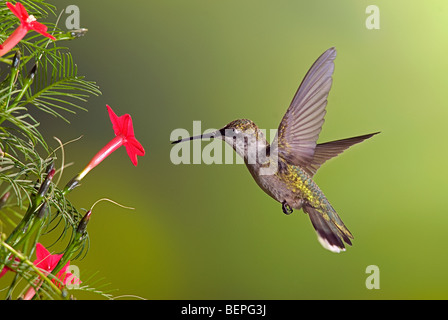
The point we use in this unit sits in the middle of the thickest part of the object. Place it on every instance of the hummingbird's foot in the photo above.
(286, 208)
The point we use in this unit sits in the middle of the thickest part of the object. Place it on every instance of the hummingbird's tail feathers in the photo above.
(328, 150)
(331, 231)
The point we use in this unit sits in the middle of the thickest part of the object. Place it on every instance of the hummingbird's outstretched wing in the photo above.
(300, 127)
(331, 231)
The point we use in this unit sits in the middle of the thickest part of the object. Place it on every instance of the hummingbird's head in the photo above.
(243, 135)
(241, 126)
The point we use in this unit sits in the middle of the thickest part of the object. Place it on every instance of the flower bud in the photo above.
(83, 223)
(50, 167)
(32, 74)
(16, 60)
(15, 68)
(46, 184)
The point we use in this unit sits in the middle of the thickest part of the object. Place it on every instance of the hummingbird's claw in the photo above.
(286, 208)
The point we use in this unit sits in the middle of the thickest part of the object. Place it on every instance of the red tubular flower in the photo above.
(47, 262)
(27, 23)
(124, 136)
(124, 131)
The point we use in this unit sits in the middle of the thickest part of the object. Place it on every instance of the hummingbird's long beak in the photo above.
(201, 136)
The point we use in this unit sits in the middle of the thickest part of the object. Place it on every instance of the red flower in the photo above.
(47, 262)
(27, 23)
(124, 136)
(124, 130)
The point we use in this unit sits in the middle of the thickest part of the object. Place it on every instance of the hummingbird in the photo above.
(285, 168)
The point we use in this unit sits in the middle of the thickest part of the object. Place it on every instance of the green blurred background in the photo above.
(207, 231)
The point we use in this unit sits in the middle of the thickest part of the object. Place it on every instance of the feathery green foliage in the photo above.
(37, 74)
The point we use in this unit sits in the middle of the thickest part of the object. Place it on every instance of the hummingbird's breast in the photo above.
(289, 183)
